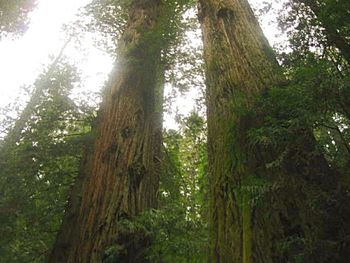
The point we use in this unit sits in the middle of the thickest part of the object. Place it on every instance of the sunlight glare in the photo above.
(22, 59)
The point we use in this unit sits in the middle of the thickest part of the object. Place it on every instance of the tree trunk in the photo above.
(119, 174)
(240, 67)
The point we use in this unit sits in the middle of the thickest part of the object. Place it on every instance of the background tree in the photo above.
(39, 160)
(14, 16)
(333, 22)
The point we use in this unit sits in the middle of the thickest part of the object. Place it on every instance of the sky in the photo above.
(22, 59)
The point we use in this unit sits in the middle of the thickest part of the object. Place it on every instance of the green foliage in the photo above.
(178, 229)
(320, 27)
(39, 157)
(183, 210)
(14, 16)
(38, 162)
(314, 97)
(176, 238)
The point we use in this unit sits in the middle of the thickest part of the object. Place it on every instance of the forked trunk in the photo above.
(119, 174)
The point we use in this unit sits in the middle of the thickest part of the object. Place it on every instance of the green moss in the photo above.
(247, 229)
(113, 253)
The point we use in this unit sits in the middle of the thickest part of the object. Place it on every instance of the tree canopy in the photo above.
(14, 16)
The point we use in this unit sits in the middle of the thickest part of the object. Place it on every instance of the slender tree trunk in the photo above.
(119, 174)
(14, 134)
(241, 66)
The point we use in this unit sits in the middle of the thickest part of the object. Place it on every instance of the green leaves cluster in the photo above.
(314, 97)
(180, 225)
(14, 16)
(39, 160)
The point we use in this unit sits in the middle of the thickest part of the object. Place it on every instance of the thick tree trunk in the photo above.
(241, 66)
(119, 174)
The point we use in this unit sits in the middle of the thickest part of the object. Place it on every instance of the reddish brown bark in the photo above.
(119, 174)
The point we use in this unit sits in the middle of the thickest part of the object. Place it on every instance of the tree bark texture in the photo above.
(240, 67)
(119, 174)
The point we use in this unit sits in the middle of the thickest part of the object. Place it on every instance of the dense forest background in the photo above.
(257, 171)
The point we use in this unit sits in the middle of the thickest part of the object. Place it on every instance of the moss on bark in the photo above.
(253, 207)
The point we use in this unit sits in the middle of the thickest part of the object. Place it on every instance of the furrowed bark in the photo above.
(240, 67)
(119, 174)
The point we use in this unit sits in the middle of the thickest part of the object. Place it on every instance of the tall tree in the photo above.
(239, 65)
(252, 206)
(14, 134)
(119, 174)
(38, 161)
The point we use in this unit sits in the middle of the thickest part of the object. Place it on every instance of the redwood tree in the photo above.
(258, 192)
(119, 174)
